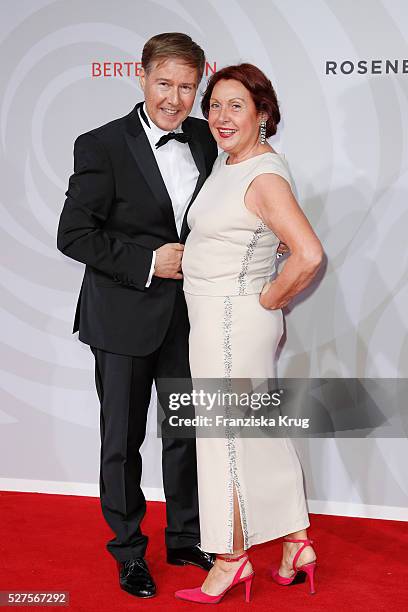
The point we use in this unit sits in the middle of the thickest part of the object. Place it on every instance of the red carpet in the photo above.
(56, 542)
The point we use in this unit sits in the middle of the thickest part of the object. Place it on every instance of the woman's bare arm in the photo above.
(271, 198)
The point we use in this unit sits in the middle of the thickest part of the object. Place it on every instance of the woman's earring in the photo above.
(262, 132)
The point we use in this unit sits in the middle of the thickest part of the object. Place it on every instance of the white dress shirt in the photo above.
(178, 170)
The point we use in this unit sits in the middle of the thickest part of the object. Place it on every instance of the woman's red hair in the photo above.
(258, 85)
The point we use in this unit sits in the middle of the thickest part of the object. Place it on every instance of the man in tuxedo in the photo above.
(125, 218)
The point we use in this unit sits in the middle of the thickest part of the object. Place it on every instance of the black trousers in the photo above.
(124, 387)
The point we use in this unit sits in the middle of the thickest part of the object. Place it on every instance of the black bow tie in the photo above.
(180, 137)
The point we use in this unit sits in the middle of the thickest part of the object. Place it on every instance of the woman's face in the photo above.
(233, 118)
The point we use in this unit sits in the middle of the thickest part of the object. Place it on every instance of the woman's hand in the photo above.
(268, 300)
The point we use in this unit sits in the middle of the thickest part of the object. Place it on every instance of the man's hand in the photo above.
(168, 261)
(283, 248)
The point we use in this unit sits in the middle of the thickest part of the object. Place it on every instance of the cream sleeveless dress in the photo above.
(229, 255)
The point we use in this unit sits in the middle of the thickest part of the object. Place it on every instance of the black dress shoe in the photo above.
(135, 578)
(190, 555)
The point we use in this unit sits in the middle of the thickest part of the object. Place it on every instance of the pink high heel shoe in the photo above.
(308, 568)
(197, 596)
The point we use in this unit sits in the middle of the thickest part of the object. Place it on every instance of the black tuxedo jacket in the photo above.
(116, 213)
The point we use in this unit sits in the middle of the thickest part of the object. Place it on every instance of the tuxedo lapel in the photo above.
(198, 156)
(145, 159)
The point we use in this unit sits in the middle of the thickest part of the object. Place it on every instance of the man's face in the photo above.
(169, 87)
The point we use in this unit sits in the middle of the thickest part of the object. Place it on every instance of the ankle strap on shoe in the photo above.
(305, 543)
(231, 559)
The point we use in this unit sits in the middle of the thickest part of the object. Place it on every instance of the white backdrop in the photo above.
(344, 136)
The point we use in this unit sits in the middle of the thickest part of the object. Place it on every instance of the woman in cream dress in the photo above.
(250, 489)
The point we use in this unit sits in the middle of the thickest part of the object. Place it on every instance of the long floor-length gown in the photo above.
(229, 255)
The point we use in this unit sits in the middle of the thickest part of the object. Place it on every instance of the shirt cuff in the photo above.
(149, 279)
